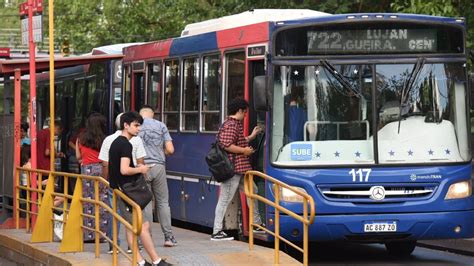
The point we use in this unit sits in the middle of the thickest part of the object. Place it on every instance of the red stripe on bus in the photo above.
(148, 51)
(245, 35)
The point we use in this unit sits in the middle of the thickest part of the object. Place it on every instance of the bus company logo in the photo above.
(377, 193)
(301, 152)
(414, 177)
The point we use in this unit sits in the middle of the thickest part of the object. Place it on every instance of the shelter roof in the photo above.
(7, 67)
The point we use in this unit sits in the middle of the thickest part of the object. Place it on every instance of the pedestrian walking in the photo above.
(87, 152)
(122, 170)
(158, 144)
(231, 138)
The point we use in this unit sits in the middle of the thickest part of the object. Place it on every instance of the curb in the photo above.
(458, 246)
(27, 254)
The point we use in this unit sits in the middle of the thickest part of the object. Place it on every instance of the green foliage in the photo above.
(433, 7)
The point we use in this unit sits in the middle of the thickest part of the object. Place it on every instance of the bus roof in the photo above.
(247, 18)
(112, 49)
(358, 17)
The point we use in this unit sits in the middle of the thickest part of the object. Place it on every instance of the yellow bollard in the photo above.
(43, 231)
(72, 235)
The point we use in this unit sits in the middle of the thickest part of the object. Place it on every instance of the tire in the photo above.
(400, 248)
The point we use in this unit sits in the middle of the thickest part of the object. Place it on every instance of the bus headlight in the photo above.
(290, 196)
(459, 190)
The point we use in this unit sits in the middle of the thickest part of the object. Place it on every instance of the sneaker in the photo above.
(221, 236)
(162, 263)
(258, 229)
(170, 241)
(111, 249)
(140, 248)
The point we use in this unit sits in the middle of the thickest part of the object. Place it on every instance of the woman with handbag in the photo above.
(87, 152)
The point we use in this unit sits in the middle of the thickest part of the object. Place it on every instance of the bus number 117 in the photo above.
(363, 174)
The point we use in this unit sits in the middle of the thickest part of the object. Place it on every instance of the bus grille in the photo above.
(363, 194)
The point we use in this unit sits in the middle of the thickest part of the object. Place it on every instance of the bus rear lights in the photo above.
(459, 190)
(364, 16)
(290, 196)
(295, 232)
(457, 229)
(393, 16)
(351, 17)
(379, 16)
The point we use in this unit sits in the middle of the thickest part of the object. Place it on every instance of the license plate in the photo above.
(380, 227)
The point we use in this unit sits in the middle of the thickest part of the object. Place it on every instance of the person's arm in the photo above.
(71, 145)
(140, 161)
(105, 170)
(78, 151)
(228, 136)
(168, 141)
(169, 147)
(239, 150)
(125, 168)
(255, 131)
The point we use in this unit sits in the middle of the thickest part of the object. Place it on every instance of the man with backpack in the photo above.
(231, 138)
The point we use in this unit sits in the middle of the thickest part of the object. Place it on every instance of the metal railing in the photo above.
(306, 219)
(72, 239)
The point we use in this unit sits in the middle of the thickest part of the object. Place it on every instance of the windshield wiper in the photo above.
(341, 79)
(420, 62)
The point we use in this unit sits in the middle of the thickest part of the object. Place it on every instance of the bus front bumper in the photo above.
(409, 226)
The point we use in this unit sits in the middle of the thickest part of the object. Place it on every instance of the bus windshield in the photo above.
(342, 114)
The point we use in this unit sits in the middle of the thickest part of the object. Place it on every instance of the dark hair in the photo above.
(129, 118)
(24, 126)
(25, 152)
(146, 106)
(235, 105)
(94, 134)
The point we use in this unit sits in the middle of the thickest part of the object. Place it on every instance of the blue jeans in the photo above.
(111, 226)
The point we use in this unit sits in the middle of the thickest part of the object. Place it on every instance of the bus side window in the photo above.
(172, 95)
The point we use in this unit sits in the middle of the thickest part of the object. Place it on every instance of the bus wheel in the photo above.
(400, 248)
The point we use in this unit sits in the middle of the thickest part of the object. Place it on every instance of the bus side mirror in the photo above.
(260, 97)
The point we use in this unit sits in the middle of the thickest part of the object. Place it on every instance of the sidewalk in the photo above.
(193, 248)
(459, 246)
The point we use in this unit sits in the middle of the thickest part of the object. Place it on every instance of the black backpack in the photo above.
(220, 166)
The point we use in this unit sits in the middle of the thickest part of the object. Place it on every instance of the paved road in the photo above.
(375, 254)
(4, 262)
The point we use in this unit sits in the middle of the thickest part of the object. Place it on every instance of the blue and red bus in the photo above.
(367, 113)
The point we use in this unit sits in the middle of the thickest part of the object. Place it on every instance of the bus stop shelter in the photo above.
(10, 122)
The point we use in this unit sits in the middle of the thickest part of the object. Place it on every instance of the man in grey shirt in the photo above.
(158, 144)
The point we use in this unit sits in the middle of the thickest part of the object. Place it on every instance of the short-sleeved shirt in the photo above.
(43, 144)
(137, 145)
(154, 134)
(232, 132)
(89, 155)
(120, 148)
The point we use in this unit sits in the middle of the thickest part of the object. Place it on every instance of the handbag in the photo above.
(138, 191)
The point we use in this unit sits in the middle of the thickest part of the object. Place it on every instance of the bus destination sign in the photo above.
(372, 40)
